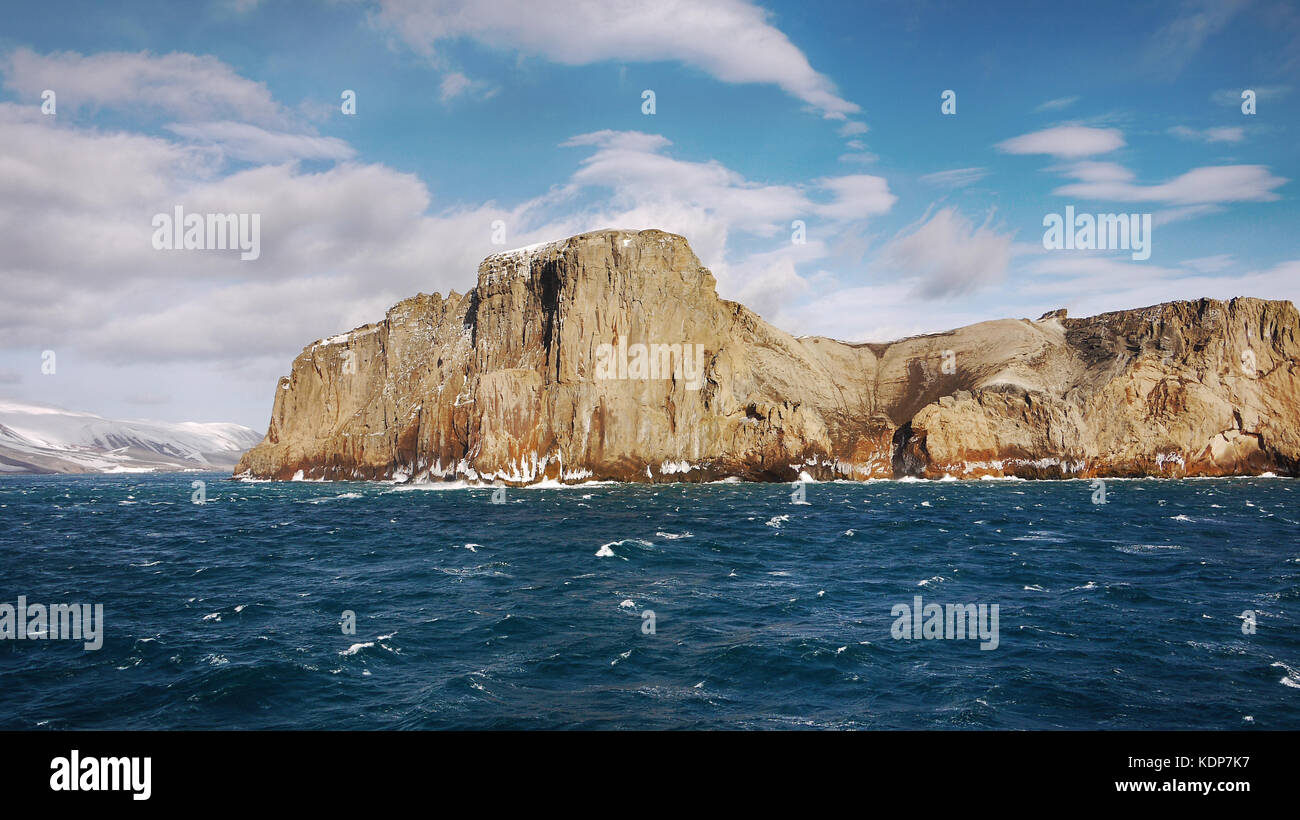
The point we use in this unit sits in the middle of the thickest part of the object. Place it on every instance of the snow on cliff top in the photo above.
(518, 261)
(341, 338)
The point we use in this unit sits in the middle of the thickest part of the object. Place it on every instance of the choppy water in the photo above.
(767, 613)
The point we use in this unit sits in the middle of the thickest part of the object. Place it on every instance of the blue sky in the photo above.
(531, 113)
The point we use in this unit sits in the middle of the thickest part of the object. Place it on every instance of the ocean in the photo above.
(1173, 605)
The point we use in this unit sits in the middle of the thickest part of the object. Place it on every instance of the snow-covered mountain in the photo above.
(38, 438)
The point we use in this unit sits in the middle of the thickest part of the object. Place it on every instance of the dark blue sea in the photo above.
(533, 613)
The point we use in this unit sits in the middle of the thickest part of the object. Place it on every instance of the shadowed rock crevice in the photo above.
(909, 455)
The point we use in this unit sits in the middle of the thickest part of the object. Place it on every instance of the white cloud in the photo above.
(1091, 270)
(764, 284)
(1233, 133)
(876, 312)
(455, 84)
(949, 255)
(79, 267)
(1214, 184)
(1225, 134)
(182, 85)
(1210, 264)
(640, 178)
(1168, 216)
(731, 40)
(1057, 104)
(857, 196)
(1263, 93)
(956, 178)
(624, 140)
(1095, 171)
(853, 128)
(185, 86)
(1173, 46)
(242, 141)
(1066, 141)
(643, 180)
(1095, 283)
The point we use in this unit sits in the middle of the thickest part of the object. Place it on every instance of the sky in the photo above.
(809, 152)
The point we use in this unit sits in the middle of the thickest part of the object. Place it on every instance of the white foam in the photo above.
(1292, 677)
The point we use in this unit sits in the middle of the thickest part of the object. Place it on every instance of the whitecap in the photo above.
(1292, 677)
(1146, 549)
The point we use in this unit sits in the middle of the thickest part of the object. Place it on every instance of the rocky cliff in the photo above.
(610, 356)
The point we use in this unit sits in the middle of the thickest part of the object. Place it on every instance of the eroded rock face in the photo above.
(559, 365)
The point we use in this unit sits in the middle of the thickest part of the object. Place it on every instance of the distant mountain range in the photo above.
(37, 438)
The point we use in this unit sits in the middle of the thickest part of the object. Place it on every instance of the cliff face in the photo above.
(560, 365)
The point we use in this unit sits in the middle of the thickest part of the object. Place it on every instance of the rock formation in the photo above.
(559, 366)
